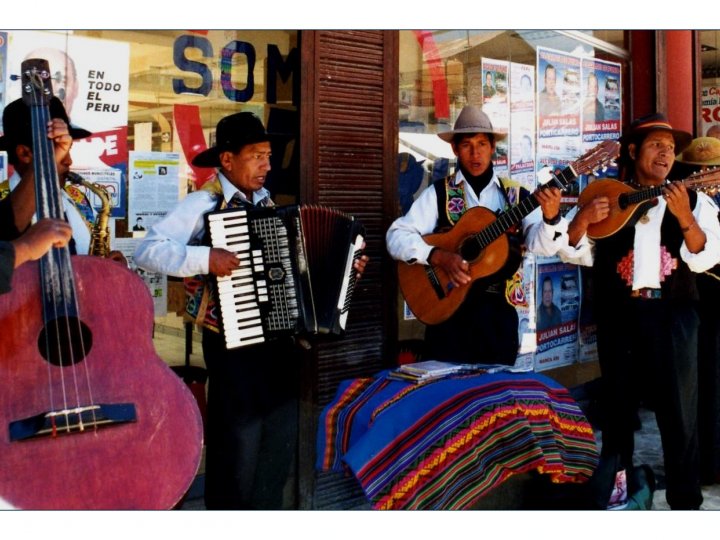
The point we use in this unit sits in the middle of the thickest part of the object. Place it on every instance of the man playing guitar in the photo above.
(484, 329)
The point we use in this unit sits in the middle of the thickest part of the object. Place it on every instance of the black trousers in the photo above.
(252, 423)
(483, 330)
(648, 351)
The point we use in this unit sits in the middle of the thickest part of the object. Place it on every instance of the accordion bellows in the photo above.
(296, 271)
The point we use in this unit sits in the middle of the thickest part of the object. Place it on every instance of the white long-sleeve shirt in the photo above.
(172, 245)
(404, 237)
(647, 258)
(81, 231)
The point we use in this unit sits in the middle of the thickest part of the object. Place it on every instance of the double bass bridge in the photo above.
(73, 420)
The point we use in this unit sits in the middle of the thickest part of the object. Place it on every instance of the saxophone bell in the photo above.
(100, 234)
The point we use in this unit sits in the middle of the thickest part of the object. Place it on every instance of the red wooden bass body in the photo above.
(145, 464)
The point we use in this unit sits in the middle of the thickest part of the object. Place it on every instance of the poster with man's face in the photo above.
(90, 76)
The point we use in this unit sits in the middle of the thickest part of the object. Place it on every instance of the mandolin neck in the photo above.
(702, 180)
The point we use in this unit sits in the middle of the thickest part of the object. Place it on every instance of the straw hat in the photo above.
(472, 119)
(702, 151)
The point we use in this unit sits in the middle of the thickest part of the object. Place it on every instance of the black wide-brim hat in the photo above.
(17, 123)
(654, 122)
(232, 133)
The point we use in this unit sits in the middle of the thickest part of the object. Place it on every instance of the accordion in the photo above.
(296, 271)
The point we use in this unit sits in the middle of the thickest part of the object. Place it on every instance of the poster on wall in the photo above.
(154, 188)
(90, 76)
(559, 104)
(522, 123)
(497, 106)
(710, 108)
(558, 309)
(155, 281)
(602, 109)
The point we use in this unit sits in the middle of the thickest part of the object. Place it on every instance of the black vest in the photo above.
(680, 284)
(496, 282)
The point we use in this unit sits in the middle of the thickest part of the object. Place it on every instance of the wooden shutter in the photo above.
(349, 130)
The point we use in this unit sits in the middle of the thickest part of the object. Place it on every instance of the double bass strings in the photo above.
(60, 308)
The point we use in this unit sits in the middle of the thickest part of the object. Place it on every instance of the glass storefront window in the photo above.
(557, 95)
(165, 90)
(709, 103)
(504, 71)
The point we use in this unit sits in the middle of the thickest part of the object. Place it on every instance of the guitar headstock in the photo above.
(707, 180)
(598, 157)
(36, 82)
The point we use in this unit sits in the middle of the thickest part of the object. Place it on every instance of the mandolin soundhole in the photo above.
(65, 341)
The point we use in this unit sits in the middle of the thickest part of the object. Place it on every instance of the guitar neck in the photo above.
(514, 215)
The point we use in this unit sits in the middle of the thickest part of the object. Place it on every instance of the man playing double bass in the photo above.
(19, 206)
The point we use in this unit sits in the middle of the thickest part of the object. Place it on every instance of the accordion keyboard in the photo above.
(258, 300)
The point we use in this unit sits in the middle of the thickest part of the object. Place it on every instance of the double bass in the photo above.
(90, 416)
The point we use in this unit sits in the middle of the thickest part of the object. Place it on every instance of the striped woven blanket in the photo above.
(446, 443)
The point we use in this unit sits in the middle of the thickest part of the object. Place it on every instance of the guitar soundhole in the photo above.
(470, 249)
(65, 341)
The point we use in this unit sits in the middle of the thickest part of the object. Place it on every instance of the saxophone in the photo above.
(100, 234)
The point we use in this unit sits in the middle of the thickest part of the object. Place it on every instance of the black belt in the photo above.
(646, 294)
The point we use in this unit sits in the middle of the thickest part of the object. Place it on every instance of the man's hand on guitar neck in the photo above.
(549, 199)
(593, 212)
(453, 264)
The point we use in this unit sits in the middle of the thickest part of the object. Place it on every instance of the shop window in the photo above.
(557, 95)
(152, 100)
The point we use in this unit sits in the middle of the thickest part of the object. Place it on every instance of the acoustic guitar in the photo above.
(479, 237)
(91, 417)
(628, 204)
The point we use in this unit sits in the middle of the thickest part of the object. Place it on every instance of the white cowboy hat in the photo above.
(472, 119)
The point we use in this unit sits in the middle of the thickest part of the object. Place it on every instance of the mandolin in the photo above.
(627, 203)
(91, 417)
(479, 237)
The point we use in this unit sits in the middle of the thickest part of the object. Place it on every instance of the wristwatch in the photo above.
(553, 221)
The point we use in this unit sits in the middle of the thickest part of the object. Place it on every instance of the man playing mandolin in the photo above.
(484, 328)
(646, 306)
